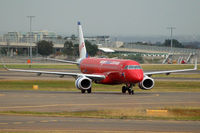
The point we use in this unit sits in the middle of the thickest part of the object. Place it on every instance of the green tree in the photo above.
(59, 37)
(91, 49)
(72, 49)
(68, 48)
(21, 51)
(45, 48)
(175, 43)
(76, 50)
(3, 50)
(73, 37)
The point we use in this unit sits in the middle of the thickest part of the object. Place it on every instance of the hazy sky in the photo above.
(103, 17)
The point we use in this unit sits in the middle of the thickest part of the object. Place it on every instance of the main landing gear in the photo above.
(88, 90)
(129, 88)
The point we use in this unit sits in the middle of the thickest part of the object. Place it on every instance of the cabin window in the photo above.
(132, 67)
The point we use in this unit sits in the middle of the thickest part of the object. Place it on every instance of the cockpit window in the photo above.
(126, 67)
(132, 67)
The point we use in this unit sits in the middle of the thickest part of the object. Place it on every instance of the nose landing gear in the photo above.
(88, 90)
(129, 88)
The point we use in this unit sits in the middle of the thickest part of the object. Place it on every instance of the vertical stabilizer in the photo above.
(82, 48)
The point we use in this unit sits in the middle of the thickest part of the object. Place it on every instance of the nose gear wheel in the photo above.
(129, 88)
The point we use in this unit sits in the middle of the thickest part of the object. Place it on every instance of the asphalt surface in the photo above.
(44, 101)
(59, 101)
(94, 125)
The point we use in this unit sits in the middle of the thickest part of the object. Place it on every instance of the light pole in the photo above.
(30, 38)
(171, 31)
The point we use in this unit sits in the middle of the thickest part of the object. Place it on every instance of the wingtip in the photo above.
(195, 66)
(4, 66)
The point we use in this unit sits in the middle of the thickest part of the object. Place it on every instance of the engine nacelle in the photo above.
(147, 83)
(83, 83)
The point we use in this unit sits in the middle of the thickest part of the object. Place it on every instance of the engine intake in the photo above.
(83, 83)
(147, 83)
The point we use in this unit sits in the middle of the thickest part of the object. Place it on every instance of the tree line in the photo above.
(45, 48)
(166, 43)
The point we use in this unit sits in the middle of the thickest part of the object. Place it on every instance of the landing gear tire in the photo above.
(129, 88)
(124, 89)
(82, 91)
(131, 92)
(89, 90)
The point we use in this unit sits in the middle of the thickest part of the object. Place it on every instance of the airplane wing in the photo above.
(172, 71)
(64, 61)
(91, 76)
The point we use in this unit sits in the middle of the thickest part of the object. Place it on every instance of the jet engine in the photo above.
(147, 83)
(83, 83)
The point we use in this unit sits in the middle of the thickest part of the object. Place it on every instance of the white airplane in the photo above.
(107, 71)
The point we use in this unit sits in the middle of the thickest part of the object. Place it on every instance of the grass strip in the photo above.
(172, 114)
(68, 85)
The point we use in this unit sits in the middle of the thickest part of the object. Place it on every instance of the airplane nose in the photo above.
(138, 77)
(134, 76)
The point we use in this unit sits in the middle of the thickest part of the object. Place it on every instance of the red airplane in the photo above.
(107, 71)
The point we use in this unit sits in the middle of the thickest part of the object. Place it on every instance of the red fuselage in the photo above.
(116, 71)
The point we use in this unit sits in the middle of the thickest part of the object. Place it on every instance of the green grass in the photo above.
(43, 85)
(172, 114)
(68, 85)
(172, 86)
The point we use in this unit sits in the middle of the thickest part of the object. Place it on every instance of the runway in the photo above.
(44, 101)
(29, 123)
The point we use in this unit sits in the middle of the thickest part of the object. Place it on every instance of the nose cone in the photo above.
(135, 76)
(139, 76)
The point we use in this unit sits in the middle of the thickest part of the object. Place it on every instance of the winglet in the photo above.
(4, 66)
(195, 65)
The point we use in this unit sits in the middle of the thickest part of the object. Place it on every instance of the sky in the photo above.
(103, 17)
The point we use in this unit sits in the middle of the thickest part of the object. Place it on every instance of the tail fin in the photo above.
(82, 48)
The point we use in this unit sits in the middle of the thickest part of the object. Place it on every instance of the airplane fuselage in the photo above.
(116, 71)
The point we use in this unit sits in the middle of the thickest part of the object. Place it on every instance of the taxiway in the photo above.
(45, 101)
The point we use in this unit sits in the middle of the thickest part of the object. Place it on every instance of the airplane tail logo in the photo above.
(82, 49)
